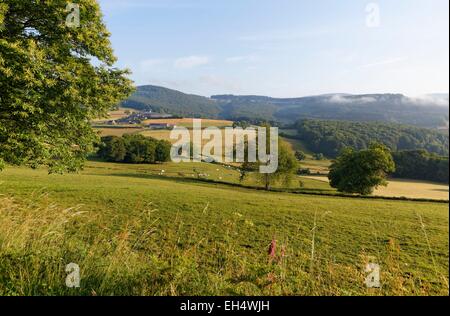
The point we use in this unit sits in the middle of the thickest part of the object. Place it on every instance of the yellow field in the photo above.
(414, 189)
(188, 122)
(116, 115)
(407, 188)
(117, 131)
(158, 134)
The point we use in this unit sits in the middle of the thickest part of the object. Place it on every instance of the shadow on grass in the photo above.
(304, 191)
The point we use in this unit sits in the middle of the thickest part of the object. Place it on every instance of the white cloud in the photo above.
(346, 100)
(242, 59)
(441, 100)
(191, 62)
(384, 62)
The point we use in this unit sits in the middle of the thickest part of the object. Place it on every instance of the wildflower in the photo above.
(272, 249)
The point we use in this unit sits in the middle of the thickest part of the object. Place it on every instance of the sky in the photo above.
(283, 48)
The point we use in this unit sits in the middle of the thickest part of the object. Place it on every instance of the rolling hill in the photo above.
(430, 111)
(165, 100)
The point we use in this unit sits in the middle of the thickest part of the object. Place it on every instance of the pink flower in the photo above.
(272, 248)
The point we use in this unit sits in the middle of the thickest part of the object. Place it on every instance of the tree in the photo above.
(134, 149)
(140, 149)
(50, 86)
(361, 171)
(421, 165)
(287, 165)
(300, 155)
(112, 149)
(162, 151)
(319, 156)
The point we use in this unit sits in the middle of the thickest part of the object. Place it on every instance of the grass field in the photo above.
(133, 231)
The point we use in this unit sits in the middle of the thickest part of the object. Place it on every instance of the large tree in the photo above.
(361, 171)
(287, 164)
(55, 77)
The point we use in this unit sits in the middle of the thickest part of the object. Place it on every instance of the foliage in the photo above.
(330, 137)
(287, 163)
(361, 171)
(134, 149)
(319, 156)
(421, 165)
(50, 88)
(163, 100)
(300, 155)
(241, 124)
(374, 107)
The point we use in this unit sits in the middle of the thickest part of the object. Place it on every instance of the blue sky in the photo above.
(283, 48)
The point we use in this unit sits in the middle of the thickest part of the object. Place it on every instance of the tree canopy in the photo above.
(361, 171)
(54, 79)
(287, 164)
(421, 165)
(134, 148)
(330, 137)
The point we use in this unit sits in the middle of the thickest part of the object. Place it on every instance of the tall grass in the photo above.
(136, 255)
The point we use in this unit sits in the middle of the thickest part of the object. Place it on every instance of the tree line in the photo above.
(421, 165)
(331, 137)
(134, 148)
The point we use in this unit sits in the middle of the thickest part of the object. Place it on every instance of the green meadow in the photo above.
(165, 230)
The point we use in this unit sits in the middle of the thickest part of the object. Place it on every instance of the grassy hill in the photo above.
(133, 232)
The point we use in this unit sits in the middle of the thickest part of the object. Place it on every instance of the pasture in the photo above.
(133, 231)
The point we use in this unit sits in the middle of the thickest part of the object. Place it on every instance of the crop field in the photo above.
(136, 230)
(406, 188)
(188, 122)
(117, 114)
(118, 130)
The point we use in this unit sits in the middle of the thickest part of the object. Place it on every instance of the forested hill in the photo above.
(431, 112)
(169, 101)
(330, 137)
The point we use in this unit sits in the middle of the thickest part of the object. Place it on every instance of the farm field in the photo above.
(188, 122)
(120, 130)
(117, 131)
(116, 114)
(138, 233)
(406, 188)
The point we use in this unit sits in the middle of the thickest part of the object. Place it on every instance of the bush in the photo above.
(304, 172)
(300, 155)
(319, 156)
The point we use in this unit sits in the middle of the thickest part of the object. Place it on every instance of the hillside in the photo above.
(430, 112)
(330, 137)
(165, 100)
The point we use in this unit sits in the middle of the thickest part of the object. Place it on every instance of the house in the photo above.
(138, 117)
